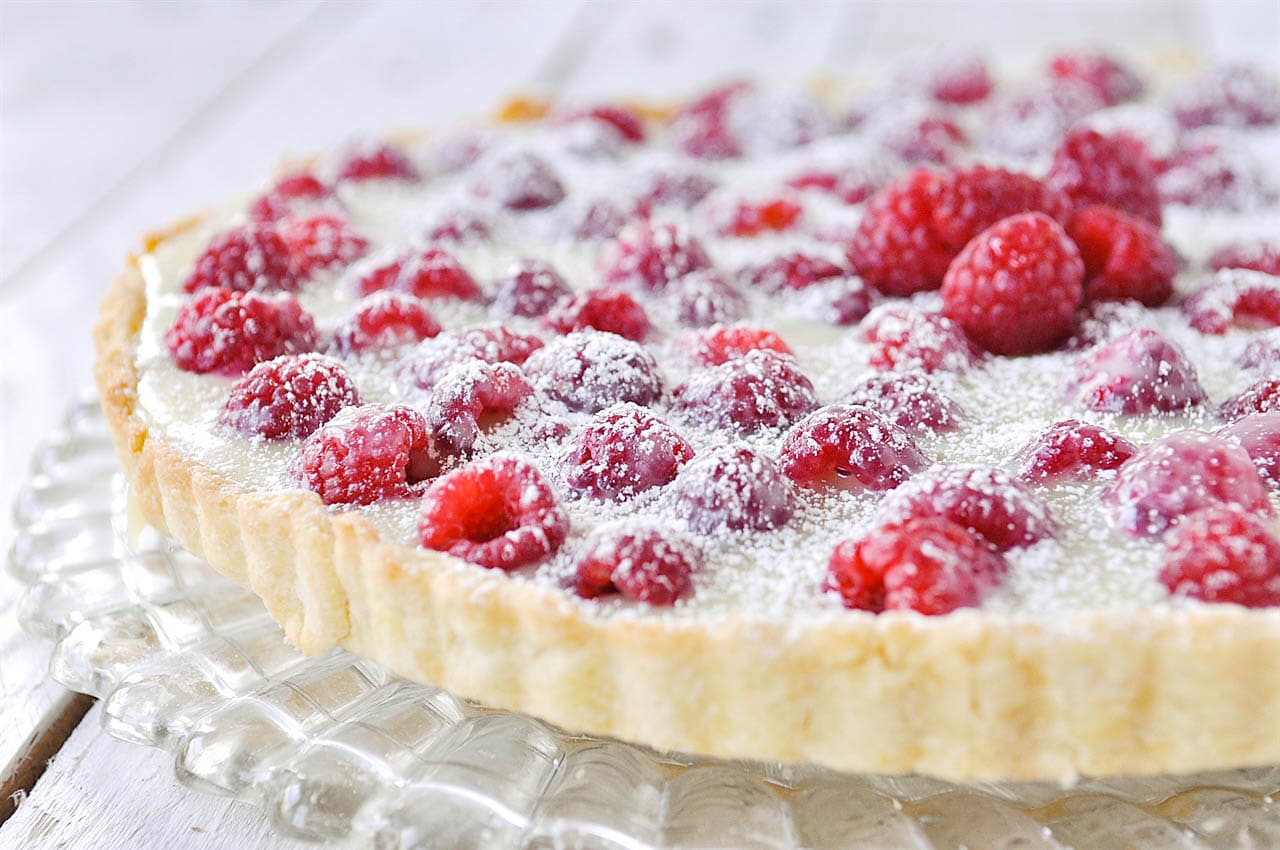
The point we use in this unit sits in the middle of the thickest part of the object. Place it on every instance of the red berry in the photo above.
(600, 218)
(680, 189)
(1137, 372)
(626, 121)
(1234, 297)
(959, 81)
(849, 447)
(366, 454)
(852, 184)
(1030, 121)
(931, 138)
(592, 370)
(290, 194)
(1015, 288)
(288, 397)
(1124, 257)
(651, 256)
(529, 288)
(836, 301)
(735, 489)
(457, 152)
(724, 343)
(701, 128)
(1259, 435)
(498, 512)
(244, 258)
(643, 562)
(795, 270)
(521, 182)
(1091, 168)
(906, 338)
(908, 400)
(745, 218)
(459, 226)
(603, 308)
(1262, 397)
(1235, 96)
(704, 298)
(1224, 554)
(1111, 81)
(321, 241)
(471, 397)
(384, 320)
(1263, 352)
(931, 566)
(1258, 256)
(761, 389)
(624, 451)
(1103, 321)
(1073, 450)
(377, 161)
(1216, 175)
(988, 502)
(228, 332)
(490, 343)
(432, 273)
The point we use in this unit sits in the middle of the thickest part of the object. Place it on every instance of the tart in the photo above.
(933, 430)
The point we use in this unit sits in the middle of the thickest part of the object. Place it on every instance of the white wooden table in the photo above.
(118, 117)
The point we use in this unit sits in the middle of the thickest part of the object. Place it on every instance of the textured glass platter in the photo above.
(336, 749)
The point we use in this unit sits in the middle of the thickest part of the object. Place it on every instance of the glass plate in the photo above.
(335, 748)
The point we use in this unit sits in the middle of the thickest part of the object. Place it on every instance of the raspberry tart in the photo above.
(933, 431)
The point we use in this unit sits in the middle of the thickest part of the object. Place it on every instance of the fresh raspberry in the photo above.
(795, 270)
(1182, 472)
(906, 338)
(529, 288)
(228, 332)
(590, 140)
(471, 397)
(498, 512)
(627, 122)
(623, 451)
(988, 502)
(597, 219)
(724, 343)
(1234, 297)
(739, 118)
(378, 161)
(1111, 81)
(431, 273)
(761, 389)
(456, 152)
(1091, 168)
(1263, 352)
(244, 258)
(591, 370)
(931, 566)
(1031, 121)
(1015, 288)
(651, 256)
(1124, 257)
(459, 226)
(1258, 256)
(1072, 449)
(850, 447)
(1137, 372)
(603, 308)
(960, 81)
(366, 454)
(1259, 435)
(289, 195)
(1262, 397)
(839, 301)
(384, 320)
(701, 128)
(1234, 96)
(671, 188)
(977, 197)
(931, 138)
(732, 488)
(491, 343)
(1103, 321)
(852, 184)
(745, 218)
(288, 397)
(1216, 174)
(908, 400)
(321, 241)
(521, 182)
(704, 298)
(641, 561)
(1224, 554)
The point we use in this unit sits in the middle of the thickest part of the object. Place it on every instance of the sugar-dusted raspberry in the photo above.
(429, 273)
(849, 446)
(1224, 554)
(1113, 82)
(228, 332)
(1182, 472)
(625, 120)
(384, 320)
(460, 226)
(252, 257)
(732, 488)
(498, 512)
(930, 138)
(377, 161)
(1259, 435)
(704, 298)
(1030, 121)
(1262, 397)
(288, 397)
(521, 182)
(844, 300)
(529, 288)
(366, 454)
(602, 308)
(681, 189)
(1103, 321)
(1137, 372)
(701, 128)
(1015, 288)
(321, 240)
(1234, 297)
(794, 270)
(739, 118)
(989, 502)
(1216, 173)
(931, 566)
(1263, 352)
(640, 560)
(1092, 168)
(722, 343)
(1072, 449)
(852, 183)
(457, 151)
(430, 360)
(761, 389)
(589, 140)
(1259, 256)
(596, 218)
(906, 338)
(289, 195)
(591, 370)
(623, 451)
(1235, 96)
(471, 397)
(746, 218)
(1124, 257)
(960, 80)
(908, 400)
(651, 256)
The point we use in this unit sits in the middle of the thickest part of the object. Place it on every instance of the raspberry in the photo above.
(931, 566)
(603, 308)
(680, 189)
(643, 562)
(377, 161)
(529, 288)
(1215, 175)
(1182, 472)
(836, 301)
(1234, 96)
(1257, 256)
(1031, 121)
(1111, 81)
(1263, 352)
(907, 400)
(849, 447)
(1090, 168)
(590, 140)
(471, 397)
(624, 451)
(289, 195)
(705, 298)
(1103, 321)
(959, 81)
(228, 332)
(739, 118)
(1224, 554)
(626, 121)
(366, 454)
(252, 257)
(384, 320)
(498, 512)
(761, 389)
(988, 502)
(852, 184)
(724, 343)
(701, 128)
(1015, 288)
(1137, 372)
(732, 488)
(432, 273)
(597, 219)
(795, 270)
(1259, 435)
(490, 343)
(521, 182)
(1262, 397)
(321, 241)
(931, 138)
(651, 256)
(459, 226)
(746, 219)
(978, 197)
(1072, 449)
(1124, 257)
(1234, 297)
(457, 152)
(903, 337)
(288, 397)
(591, 370)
